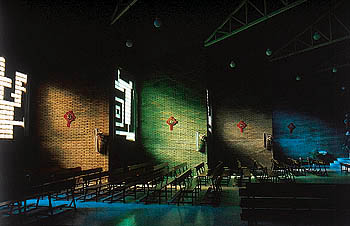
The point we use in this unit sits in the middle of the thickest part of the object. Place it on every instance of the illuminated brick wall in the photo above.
(312, 134)
(162, 98)
(71, 146)
(317, 108)
(249, 101)
(231, 144)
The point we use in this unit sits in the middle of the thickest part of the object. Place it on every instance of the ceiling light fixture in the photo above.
(268, 52)
(157, 23)
(129, 43)
(232, 64)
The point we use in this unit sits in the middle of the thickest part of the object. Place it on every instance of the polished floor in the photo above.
(139, 214)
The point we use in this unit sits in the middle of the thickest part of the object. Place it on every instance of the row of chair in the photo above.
(177, 184)
(344, 167)
(187, 185)
(189, 188)
(184, 183)
(285, 171)
(65, 184)
(280, 172)
(156, 183)
(215, 177)
(119, 183)
(54, 184)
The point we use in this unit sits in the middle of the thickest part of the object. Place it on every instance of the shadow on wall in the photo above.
(124, 153)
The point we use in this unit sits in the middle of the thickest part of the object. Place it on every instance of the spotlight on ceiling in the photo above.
(129, 43)
(232, 64)
(268, 52)
(298, 78)
(334, 69)
(157, 23)
(316, 36)
(343, 88)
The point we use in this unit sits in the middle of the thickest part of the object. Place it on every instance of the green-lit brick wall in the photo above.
(162, 98)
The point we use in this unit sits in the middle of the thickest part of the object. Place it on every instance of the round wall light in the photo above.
(157, 23)
(129, 43)
(268, 52)
(232, 64)
(316, 36)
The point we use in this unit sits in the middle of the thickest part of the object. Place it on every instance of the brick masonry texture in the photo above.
(230, 106)
(314, 132)
(161, 98)
(246, 146)
(73, 146)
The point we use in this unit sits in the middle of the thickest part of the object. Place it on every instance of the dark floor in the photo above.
(137, 214)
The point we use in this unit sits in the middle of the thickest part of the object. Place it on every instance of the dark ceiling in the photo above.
(70, 37)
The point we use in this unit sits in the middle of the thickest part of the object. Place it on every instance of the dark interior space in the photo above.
(220, 99)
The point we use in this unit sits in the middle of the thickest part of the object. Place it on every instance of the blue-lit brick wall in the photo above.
(316, 106)
(312, 134)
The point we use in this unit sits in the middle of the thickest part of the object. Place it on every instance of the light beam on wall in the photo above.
(7, 108)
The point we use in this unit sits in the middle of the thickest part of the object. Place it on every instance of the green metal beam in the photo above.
(124, 10)
(210, 41)
(328, 36)
(227, 20)
(310, 48)
(336, 66)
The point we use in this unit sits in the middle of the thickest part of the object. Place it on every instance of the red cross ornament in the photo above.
(291, 127)
(241, 125)
(69, 117)
(171, 122)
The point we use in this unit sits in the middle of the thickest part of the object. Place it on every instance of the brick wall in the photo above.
(247, 100)
(71, 147)
(161, 98)
(317, 108)
(312, 134)
(231, 144)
